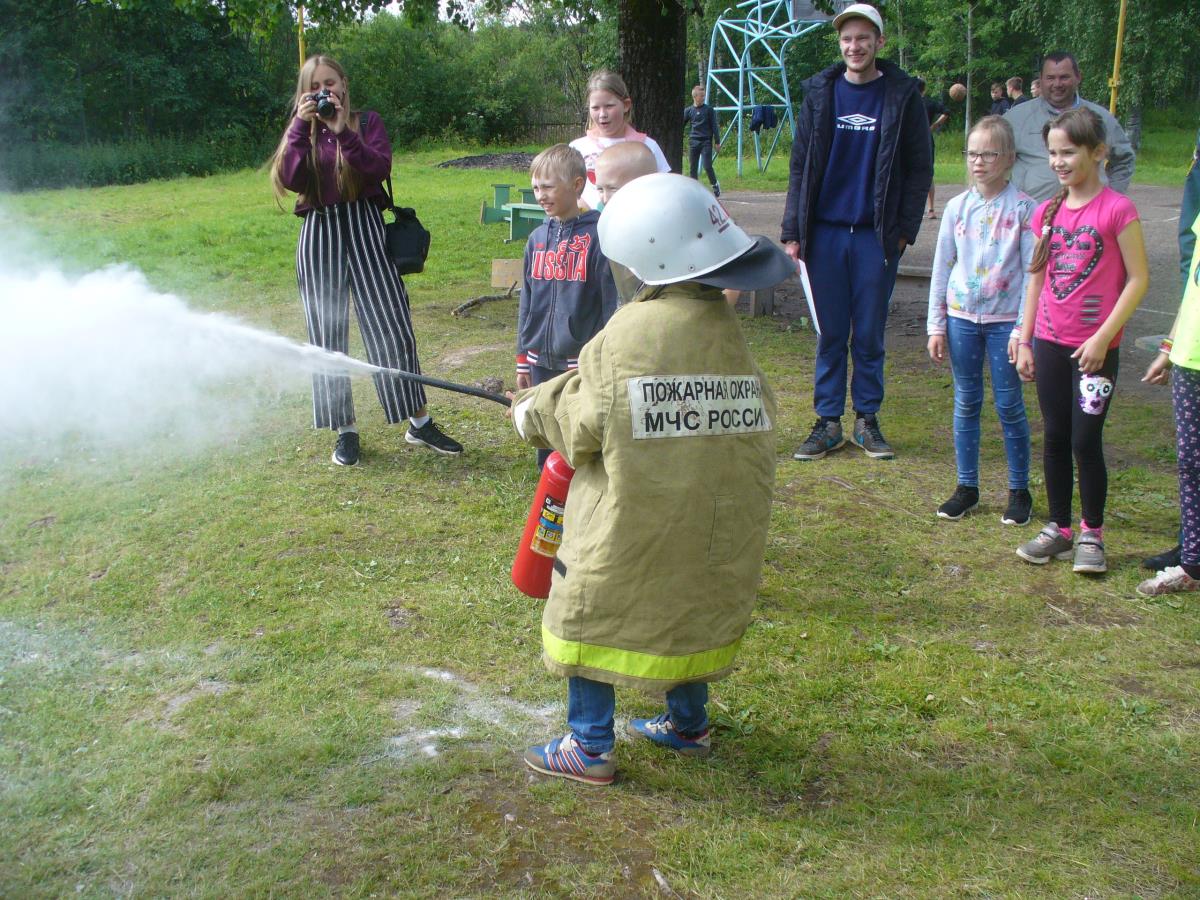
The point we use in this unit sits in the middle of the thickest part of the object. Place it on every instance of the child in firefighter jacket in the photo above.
(669, 424)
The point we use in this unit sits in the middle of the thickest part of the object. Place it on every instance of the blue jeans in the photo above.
(851, 284)
(969, 343)
(591, 706)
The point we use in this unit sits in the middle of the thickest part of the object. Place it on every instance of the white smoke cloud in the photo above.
(107, 359)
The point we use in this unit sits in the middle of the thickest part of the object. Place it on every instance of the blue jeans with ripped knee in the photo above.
(970, 344)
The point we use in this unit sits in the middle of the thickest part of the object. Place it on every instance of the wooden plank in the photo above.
(506, 273)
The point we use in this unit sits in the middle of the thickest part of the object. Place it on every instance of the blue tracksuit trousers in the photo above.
(851, 284)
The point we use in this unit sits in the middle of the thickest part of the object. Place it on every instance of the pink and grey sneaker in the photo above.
(661, 730)
(1049, 543)
(564, 758)
(1169, 581)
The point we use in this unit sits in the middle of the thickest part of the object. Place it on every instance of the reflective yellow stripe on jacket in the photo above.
(639, 665)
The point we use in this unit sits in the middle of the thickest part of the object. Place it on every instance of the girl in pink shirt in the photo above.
(1089, 273)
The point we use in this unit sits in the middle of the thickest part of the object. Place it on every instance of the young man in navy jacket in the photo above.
(861, 168)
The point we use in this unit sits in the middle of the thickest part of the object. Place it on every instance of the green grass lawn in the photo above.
(238, 670)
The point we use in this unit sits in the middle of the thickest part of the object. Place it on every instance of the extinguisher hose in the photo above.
(448, 386)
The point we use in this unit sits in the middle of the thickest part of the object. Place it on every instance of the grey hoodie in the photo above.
(568, 293)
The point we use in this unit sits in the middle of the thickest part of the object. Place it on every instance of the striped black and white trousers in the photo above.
(340, 254)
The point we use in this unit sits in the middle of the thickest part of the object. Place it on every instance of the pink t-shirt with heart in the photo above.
(1085, 274)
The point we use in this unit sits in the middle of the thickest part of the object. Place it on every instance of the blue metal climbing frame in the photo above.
(746, 66)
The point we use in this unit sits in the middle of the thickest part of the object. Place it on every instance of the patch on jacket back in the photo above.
(696, 405)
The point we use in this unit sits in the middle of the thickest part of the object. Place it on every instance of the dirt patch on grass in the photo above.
(459, 357)
(205, 687)
(517, 824)
(490, 161)
(1063, 611)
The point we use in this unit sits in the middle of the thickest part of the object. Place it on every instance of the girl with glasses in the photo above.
(980, 264)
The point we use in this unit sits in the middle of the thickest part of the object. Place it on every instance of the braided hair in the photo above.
(1083, 128)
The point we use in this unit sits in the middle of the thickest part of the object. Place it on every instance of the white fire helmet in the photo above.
(668, 228)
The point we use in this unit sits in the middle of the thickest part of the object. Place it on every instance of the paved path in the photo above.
(760, 213)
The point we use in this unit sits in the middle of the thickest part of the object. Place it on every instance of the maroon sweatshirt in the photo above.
(368, 151)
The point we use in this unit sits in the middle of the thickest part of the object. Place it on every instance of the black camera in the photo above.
(325, 107)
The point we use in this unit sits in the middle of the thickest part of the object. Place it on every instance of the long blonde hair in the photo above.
(1083, 128)
(604, 80)
(349, 182)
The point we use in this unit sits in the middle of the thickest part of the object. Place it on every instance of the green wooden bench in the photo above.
(523, 219)
(522, 216)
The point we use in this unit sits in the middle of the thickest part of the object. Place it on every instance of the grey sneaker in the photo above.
(825, 437)
(868, 436)
(1049, 544)
(1089, 554)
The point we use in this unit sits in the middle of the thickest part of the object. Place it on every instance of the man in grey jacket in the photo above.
(1060, 83)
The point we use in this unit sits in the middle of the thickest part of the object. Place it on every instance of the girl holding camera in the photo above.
(335, 158)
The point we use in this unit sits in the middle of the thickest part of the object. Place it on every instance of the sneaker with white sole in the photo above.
(1047, 545)
(1089, 554)
(1169, 581)
(825, 437)
(661, 730)
(868, 436)
(345, 451)
(564, 758)
(1020, 508)
(429, 435)
(964, 499)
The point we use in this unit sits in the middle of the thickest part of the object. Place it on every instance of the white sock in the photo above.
(419, 423)
(343, 429)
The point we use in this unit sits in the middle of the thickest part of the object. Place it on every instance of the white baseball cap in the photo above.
(859, 11)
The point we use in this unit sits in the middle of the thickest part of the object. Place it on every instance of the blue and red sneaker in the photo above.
(564, 758)
(661, 730)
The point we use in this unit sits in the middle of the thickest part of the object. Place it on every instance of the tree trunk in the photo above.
(653, 53)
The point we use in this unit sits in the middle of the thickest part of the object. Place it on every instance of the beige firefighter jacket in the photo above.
(669, 424)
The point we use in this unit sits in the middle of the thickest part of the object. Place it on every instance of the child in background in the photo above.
(1089, 275)
(609, 105)
(568, 291)
(980, 271)
(702, 139)
(1180, 350)
(615, 168)
(669, 424)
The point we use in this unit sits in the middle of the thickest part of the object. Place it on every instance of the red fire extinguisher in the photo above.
(543, 530)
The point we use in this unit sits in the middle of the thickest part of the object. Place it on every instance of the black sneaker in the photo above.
(345, 451)
(868, 436)
(716, 190)
(429, 435)
(965, 499)
(1168, 559)
(825, 437)
(1020, 508)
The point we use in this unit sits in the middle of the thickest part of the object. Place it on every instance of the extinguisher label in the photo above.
(696, 405)
(547, 537)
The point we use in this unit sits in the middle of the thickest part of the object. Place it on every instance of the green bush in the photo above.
(26, 167)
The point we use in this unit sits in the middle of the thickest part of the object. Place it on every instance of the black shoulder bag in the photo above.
(406, 238)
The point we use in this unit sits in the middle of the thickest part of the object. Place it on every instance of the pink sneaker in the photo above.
(1169, 581)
